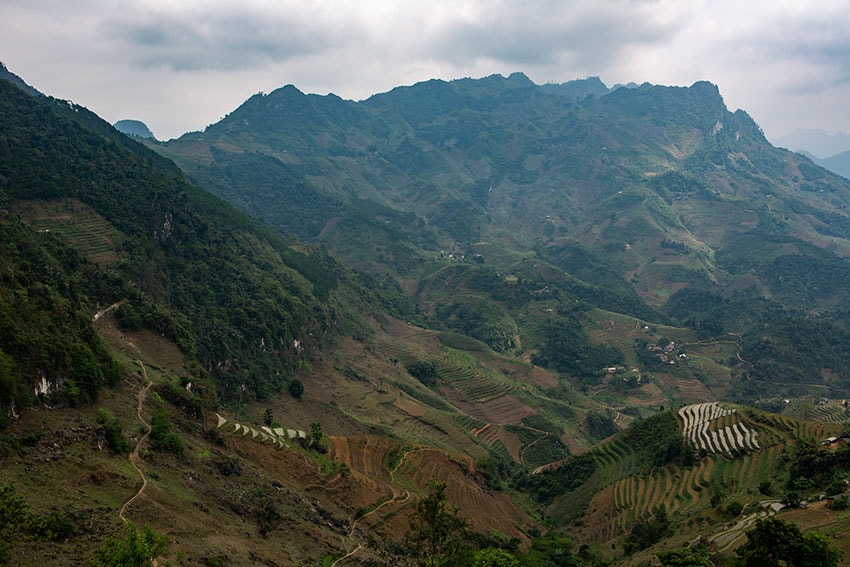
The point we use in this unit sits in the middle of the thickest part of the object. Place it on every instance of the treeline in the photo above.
(565, 347)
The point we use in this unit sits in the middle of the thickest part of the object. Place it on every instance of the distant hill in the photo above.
(134, 128)
(815, 142)
(839, 163)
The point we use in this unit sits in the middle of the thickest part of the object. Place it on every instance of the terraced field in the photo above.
(717, 430)
(687, 389)
(833, 411)
(799, 429)
(465, 373)
(75, 223)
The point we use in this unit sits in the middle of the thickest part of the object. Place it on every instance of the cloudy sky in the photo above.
(180, 65)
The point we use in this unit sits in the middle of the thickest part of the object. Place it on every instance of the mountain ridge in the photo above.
(498, 357)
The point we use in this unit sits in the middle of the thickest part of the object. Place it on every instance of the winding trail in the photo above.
(134, 456)
(393, 500)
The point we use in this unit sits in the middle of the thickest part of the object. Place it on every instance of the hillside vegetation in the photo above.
(524, 302)
(656, 202)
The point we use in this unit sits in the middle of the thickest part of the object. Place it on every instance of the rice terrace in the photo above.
(473, 322)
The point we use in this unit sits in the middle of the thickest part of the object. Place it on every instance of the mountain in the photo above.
(839, 163)
(133, 302)
(8, 76)
(170, 366)
(657, 202)
(134, 128)
(816, 142)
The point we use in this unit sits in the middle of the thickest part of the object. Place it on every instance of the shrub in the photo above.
(296, 389)
(112, 433)
(56, 525)
(135, 548)
(161, 436)
(425, 372)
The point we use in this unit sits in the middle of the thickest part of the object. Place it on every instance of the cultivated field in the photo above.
(75, 223)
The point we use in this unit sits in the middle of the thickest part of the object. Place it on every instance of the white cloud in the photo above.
(182, 65)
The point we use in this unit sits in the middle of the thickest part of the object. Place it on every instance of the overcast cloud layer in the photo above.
(181, 65)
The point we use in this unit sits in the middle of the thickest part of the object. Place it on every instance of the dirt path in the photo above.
(134, 456)
(725, 538)
(106, 310)
(394, 499)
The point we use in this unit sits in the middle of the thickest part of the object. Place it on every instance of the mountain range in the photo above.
(266, 340)
(816, 142)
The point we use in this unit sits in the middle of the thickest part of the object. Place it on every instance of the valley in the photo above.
(581, 331)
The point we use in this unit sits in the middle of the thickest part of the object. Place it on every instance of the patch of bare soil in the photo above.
(599, 523)
(687, 390)
(502, 410)
(647, 395)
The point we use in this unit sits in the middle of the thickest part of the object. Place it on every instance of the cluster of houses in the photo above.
(454, 256)
(669, 353)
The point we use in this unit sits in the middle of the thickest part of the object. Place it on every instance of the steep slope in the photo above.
(185, 263)
(134, 304)
(636, 200)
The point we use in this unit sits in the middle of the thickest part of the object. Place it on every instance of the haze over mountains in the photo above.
(499, 285)
(817, 142)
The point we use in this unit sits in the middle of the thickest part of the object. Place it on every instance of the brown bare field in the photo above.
(367, 457)
(490, 434)
(502, 410)
(647, 395)
(601, 522)
(487, 510)
(687, 390)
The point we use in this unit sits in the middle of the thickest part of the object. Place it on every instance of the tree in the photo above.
(424, 371)
(695, 557)
(774, 543)
(494, 557)
(437, 532)
(648, 530)
(161, 436)
(268, 417)
(296, 389)
(552, 550)
(112, 432)
(315, 438)
(136, 549)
